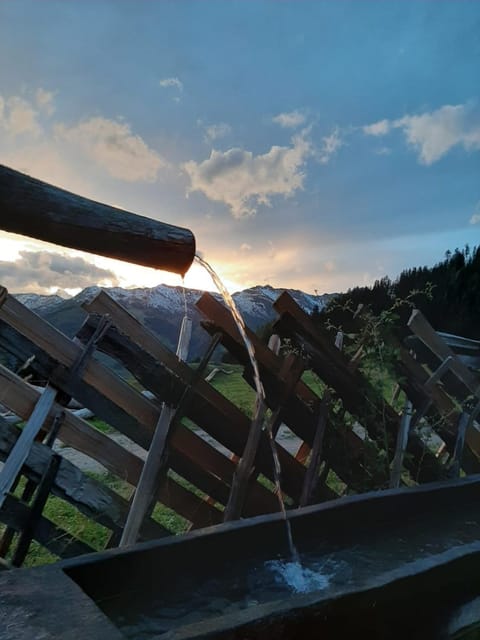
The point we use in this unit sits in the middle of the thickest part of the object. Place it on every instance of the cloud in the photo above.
(44, 101)
(114, 147)
(475, 219)
(39, 271)
(433, 134)
(216, 131)
(290, 120)
(243, 181)
(379, 128)
(171, 82)
(245, 247)
(330, 145)
(383, 151)
(19, 117)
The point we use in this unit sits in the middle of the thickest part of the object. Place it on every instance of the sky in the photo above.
(313, 145)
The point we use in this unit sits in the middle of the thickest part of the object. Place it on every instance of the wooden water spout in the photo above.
(34, 208)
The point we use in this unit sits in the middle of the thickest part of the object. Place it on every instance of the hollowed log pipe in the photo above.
(34, 208)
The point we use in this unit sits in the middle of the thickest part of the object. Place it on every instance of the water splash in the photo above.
(260, 400)
(298, 578)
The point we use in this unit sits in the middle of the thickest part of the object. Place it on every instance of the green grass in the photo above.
(234, 387)
(68, 518)
(100, 425)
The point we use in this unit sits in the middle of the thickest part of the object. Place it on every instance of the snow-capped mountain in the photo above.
(161, 309)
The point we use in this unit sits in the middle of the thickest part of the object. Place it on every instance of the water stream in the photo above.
(296, 573)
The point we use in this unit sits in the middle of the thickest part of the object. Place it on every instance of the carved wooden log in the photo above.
(34, 208)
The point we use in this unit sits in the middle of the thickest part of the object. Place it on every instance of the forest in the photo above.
(448, 294)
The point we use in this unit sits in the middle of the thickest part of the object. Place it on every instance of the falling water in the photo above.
(259, 404)
(184, 293)
(240, 324)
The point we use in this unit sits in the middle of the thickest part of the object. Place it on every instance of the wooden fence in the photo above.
(209, 468)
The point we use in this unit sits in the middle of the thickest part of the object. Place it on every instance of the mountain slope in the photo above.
(161, 309)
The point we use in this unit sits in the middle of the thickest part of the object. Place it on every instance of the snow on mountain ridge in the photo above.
(256, 301)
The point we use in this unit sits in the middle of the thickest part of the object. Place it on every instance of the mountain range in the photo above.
(162, 308)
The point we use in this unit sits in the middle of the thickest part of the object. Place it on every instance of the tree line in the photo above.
(448, 294)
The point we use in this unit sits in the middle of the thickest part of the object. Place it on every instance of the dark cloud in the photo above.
(37, 271)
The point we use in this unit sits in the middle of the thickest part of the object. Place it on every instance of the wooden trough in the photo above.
(391, 566)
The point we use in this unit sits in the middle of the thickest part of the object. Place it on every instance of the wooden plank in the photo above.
(183, 441)
(89, 496)
(66, 352)
(19, 453)
(348, 450)
(401, 447)
(74, 432)
(311, 478)
(209, 408)
(244, 468)
(45, 367)
(36, 510)
(145, 491)
(420, 326)
(149, 478)
(187, 504)
(290, 374)
(465, 422)
(59, 347)
(34, 208)
(359, 397)
(443, 411)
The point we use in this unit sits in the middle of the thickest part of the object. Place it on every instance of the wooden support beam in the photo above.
(188, 451)
(465, 422)
(149, 478)
(34, 208)
(420, 326)
(244, 468)
(311, 478)
(36, 510)
(402, 440)
(290, 374)
(19, 453)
